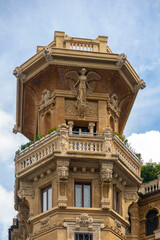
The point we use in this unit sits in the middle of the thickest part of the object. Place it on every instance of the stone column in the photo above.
(91, 127)
(62, 177)
(70, 124)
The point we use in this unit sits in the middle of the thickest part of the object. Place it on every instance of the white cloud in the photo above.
(148, 144)
(9, 142)
(6, 210)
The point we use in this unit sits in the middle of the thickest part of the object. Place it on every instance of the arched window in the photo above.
(151, 222)
(112, 123)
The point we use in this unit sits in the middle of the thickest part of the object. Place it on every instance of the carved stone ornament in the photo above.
(118, 225)
(121, 60)
(63, 172)
(26, 190)
(108, 136)
(108, 133)
(83, 223)
(114, 100)
(16, 129)
(23, 213)
(106, 174)
(44, 223)
(46, 96)
(91, 109)
(112, 106)
(19, 74)
(140, 85)
(62, 201)
(47, 53)
(82, 84)
(131, 196)
(63, 139)
(105, 203)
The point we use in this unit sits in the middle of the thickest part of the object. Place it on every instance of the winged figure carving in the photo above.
(82, 84)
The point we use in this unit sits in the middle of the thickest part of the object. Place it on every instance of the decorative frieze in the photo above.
(91, 108)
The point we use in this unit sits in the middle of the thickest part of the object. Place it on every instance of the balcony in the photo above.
(150, 187)
(67, 143)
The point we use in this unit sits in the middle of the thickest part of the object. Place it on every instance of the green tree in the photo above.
(149, 171)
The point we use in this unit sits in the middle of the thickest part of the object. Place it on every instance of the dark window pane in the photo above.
(151, 222)
(83, 236)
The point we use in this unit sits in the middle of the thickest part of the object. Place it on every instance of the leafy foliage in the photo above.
(51, 130)
(128, 145)
(37, 138)
(149, 171)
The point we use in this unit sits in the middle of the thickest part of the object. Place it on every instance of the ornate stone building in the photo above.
(81, 181)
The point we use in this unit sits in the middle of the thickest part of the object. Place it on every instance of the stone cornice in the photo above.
(69, 57)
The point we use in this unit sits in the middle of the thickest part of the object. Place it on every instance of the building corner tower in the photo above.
(78, 178)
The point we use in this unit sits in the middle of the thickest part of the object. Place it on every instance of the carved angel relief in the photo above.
(82, 85)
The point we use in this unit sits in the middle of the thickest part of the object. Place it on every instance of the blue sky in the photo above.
(132, 27)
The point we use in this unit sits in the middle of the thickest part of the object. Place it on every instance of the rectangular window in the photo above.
(116, 199)
(46, 198)
(83, 195)
(83, 236)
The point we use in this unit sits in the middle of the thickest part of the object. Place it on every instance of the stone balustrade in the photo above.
(80, 144)
(91, 45)
(150, 187)
(65, 142)
(126, 155)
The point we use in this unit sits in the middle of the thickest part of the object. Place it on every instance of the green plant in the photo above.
(42, 135)
(37, 137)
(127, 144)
(51, 130)
(149, 171)
(18, 151)
(26, 145)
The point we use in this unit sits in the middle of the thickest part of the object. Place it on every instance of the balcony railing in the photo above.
(65, 142)
(150, 187)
